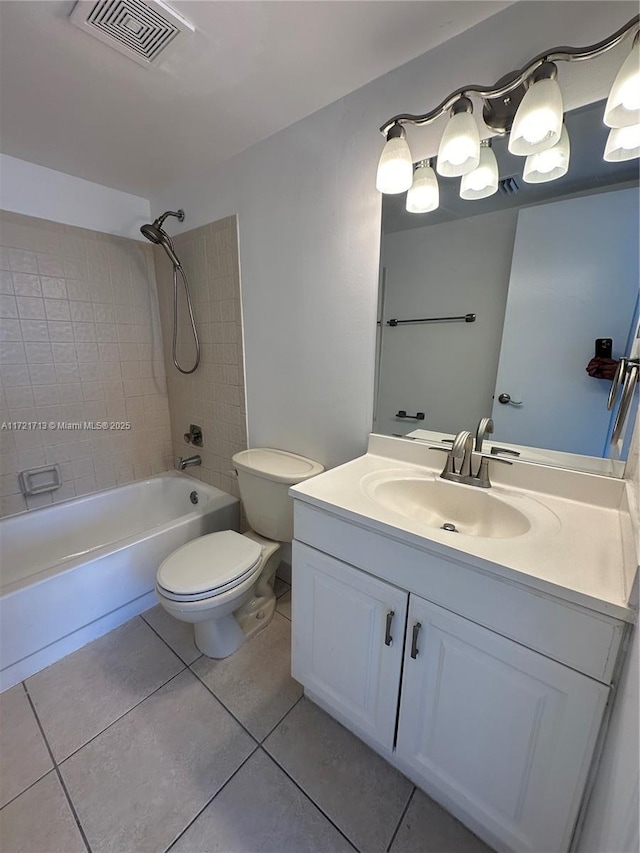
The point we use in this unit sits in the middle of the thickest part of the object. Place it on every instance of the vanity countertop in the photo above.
(580, 547)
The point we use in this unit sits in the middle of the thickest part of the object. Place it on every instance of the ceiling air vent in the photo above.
(143, 31)
(508, 186)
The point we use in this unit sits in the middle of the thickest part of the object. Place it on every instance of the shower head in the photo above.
(155, 233)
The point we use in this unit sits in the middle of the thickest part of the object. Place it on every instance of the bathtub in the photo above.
(73, 571)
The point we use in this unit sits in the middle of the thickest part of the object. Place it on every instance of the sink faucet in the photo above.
(461, 449)
(189, 462)
(458, 466)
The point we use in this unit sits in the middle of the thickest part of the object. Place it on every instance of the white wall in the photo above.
(46, 194)
(446, 370)
(309, 223)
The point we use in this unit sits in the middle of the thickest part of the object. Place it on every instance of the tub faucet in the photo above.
(189, 462)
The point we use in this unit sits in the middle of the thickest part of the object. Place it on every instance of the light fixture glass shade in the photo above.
(424, 194)
(459, 151)
(538, 121)
(548, 165)
(623, 103)
(483, 181)
(623, 143)
(395, 169)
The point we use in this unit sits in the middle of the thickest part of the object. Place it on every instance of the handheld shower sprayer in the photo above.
(155, 233)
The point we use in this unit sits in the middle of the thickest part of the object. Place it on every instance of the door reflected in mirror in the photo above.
(495, 307)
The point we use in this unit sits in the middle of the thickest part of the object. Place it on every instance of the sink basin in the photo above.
(463, 509)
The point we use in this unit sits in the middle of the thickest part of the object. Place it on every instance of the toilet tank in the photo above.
(264, 478)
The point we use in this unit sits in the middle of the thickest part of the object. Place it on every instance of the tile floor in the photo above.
(138, 744)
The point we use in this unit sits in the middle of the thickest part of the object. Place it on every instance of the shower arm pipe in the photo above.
(179, 215)
(178, 268)
(517, 78)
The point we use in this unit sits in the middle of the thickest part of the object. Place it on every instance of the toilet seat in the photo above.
(208, 566)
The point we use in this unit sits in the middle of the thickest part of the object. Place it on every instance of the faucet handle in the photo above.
(495, 450)
(494, 458)
(483, 471)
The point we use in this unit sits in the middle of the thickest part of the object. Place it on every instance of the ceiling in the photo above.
(73, 104)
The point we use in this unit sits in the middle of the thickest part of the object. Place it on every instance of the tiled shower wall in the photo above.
(212, 397)
(80, 341)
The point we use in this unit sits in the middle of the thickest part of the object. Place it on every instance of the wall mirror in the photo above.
(492, 307)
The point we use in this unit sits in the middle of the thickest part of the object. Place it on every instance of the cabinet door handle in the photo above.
(414, 640)
(388, 639)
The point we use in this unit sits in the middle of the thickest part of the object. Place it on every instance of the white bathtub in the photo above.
(73, 571)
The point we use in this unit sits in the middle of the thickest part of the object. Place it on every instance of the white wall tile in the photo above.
(34, 330)
(53, 288)
(61, 319)
(10, 330)
(61, 332)
(57, 309)
(30, 307)
(25, 284)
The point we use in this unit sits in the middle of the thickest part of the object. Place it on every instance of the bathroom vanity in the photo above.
(480, 661)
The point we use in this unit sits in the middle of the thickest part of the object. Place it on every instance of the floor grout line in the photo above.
(56, 769)
(30, 786)
(228, 710)
(283, 615)
(402, 816)
(208, 803)
(121, 717)
(282, 719)
(284, 591)
(167, 644)
(237, 719)
(309, 797)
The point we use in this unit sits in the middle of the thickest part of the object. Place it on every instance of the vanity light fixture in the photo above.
(528, 105)
(623, 103)
(483, 181)
(459, 151)
(395, 169)
(623, 143)
(424, 194)
(548, 165)
(538, 120)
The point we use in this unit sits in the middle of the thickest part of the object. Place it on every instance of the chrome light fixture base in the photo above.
(501, 103)
(506, 85)
(498, 113)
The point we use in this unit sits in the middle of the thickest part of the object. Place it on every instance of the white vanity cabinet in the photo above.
(349, 654)
(495, 728)
(501, 735)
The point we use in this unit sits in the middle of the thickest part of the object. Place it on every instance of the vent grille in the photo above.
(508, 186)
(141, 30)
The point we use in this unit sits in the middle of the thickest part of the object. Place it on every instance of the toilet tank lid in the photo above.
(277, 465)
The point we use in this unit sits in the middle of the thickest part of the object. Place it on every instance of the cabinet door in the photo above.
(503, 734)
(348, 632)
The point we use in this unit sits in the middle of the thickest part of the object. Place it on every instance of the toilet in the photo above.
(222, 583)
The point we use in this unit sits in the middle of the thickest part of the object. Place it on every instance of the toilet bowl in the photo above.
(222, 583)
